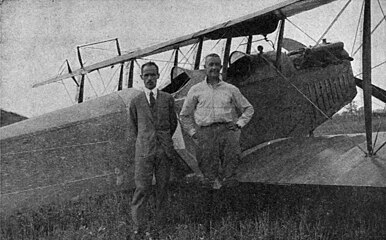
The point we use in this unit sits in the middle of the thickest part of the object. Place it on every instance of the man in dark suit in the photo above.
(154, 119)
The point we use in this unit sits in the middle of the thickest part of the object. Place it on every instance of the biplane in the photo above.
(83, 149)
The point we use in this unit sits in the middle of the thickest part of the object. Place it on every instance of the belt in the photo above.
(216, 124)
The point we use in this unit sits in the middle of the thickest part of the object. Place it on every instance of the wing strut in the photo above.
(226, 57)
(279, 45)
(198, 55)
(82, 75)
(249, 44)
(81, 87)
(131, 74)
(376, 92)
(366, 65)
(176, 57)
(70, 71)
(120, 81)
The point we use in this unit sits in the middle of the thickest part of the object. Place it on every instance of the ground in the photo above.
(249, 211)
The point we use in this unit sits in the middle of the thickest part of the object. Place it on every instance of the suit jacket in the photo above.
(153, 128)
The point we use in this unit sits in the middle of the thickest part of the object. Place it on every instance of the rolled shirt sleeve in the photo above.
(206, 104)
(244, 106)
(187, 113)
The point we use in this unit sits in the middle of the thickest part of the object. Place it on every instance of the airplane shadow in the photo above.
(273, 203)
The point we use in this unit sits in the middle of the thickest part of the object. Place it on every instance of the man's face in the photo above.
(212, 67)
(150, 76)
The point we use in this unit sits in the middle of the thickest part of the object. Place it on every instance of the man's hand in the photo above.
(233, 126)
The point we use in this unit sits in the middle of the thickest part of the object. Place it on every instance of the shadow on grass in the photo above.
(249, 211)
(257, 211)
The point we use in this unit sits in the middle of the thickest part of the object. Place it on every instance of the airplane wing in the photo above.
(261, 22)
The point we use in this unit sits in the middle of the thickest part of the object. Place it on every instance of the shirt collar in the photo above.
(219, 83)
(147, 91)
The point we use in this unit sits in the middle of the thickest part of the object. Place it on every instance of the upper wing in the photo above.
(261, 22)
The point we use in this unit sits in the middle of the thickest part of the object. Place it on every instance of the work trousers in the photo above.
(159, 165)
(218, 151)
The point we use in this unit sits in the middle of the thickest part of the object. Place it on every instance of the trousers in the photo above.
(218, 151)
(145, 167)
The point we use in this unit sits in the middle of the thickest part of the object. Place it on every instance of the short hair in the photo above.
(211, 55)
(149, 64)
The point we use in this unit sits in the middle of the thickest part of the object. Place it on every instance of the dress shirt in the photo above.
(207, 104)
(147, 93)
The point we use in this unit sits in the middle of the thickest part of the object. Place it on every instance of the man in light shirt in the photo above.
(213, 114)
(153, 119)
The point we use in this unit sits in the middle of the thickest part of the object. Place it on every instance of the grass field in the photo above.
(250, 211)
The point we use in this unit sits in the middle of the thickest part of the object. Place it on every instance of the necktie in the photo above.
(152, 100)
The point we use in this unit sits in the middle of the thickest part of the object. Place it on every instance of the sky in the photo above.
(38, 35)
